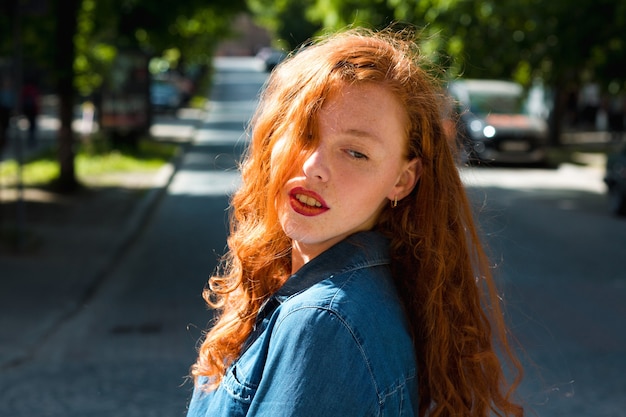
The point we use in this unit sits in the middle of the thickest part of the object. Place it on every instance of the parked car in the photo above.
(495, 123)
(165, 95)
(615, 179)
(270, 57)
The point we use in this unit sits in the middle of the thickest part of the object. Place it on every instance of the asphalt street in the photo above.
(558, 255)
(125, 350)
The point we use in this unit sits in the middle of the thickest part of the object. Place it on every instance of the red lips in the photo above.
(306, 202)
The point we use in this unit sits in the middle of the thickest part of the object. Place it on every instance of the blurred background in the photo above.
(129, 59)
(121, 124)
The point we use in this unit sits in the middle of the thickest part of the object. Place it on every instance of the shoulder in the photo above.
(359, 314)
(364, 299)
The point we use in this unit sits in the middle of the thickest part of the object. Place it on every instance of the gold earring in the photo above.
(394, 203)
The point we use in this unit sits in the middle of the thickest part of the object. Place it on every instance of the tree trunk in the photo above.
(66, 12)
(556, 115)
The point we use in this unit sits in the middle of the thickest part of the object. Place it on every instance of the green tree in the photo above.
(74, 42)
(286, 20)
(563, 44)
(64, 70)
(186, 32)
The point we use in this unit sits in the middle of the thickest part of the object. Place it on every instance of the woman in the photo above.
(355, 283)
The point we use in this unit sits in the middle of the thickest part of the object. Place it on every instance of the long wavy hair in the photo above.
(439, 266)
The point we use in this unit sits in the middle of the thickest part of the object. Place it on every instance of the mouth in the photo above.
(306, 203)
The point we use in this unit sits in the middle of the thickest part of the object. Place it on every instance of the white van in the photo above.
(497, 124)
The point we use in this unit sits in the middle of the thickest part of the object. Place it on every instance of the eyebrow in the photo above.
(362, 134)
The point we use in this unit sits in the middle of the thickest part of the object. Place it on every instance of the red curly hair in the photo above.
(439, 265)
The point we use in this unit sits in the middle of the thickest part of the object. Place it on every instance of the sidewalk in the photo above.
(70, 243)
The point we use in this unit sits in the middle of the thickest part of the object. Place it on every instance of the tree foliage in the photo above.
(562, 44)
(185, 32)
(72, 43)
(515, 39)
(286, 20)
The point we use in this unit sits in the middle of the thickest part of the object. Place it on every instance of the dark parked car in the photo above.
(615, 179)
(495, 123)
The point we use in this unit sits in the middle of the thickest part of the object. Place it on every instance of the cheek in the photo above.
(367, 183)
(362, 193)
(280, 204)
(284, 212)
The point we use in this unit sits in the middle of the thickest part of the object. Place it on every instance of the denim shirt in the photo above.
(333, 341)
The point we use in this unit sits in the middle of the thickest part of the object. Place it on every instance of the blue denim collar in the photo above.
(361, 250)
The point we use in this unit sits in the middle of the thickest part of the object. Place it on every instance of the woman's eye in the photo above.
(356, 154)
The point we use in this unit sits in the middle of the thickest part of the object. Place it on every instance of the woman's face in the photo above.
(358, 167)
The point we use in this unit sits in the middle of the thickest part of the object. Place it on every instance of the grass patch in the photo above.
(35, 172)
(198, 102)
(578, 155)
(92, 159)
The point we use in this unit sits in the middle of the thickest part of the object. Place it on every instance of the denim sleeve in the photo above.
(315, 367)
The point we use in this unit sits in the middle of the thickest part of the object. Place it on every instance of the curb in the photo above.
(130, 230)
(135, 223)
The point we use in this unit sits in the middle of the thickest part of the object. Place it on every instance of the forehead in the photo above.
(364, 110)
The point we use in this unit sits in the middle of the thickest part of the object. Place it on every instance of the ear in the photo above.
(407, 180)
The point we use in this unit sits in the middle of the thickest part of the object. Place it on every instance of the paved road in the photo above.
(560, 257)
(128, 351)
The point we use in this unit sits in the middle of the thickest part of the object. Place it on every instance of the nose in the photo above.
(316, 166)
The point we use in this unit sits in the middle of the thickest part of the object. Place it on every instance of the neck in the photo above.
(298, 258)
(302, 253)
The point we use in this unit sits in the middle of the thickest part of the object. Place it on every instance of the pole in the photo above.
(17, 69)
